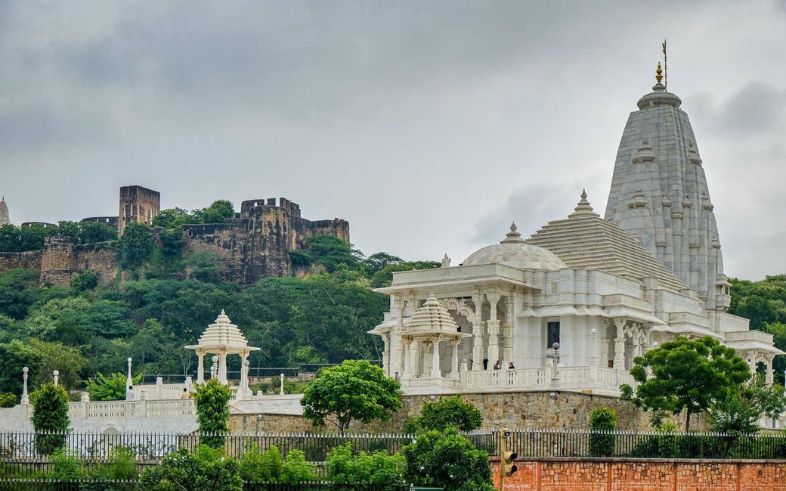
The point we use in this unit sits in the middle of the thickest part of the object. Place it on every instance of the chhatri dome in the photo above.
(516, 253)
(4, 219)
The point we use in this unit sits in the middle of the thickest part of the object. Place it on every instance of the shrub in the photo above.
(86, 280)
(378, 468)
(295, 468)
(257, 466)
(447, 412)
(66, 467)
(205, 469)
(603, 420)
(50, 418)
(121, 465)
(449, 460)
(212, 407)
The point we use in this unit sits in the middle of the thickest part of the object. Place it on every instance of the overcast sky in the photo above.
(428, 125)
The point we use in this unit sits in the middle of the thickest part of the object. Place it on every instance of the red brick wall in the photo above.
(653, 475)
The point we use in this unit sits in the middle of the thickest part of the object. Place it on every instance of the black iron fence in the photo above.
(587, 443)
(148, 448)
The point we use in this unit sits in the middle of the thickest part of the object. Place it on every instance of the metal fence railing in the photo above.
(588, 443)
(529, 443)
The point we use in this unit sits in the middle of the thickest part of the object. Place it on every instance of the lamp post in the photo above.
(25, 398)
(554, 357)
(55, 376)
(129, 378)
(281, 391)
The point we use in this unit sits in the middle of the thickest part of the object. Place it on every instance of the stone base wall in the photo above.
(651, 475)
(519, 410)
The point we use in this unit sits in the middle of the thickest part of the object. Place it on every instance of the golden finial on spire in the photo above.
(659, 73)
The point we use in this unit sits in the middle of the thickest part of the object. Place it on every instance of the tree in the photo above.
(90, 232)
(740, 411)
(136, 245)
(687, 375)
(18, 291)
(354, 390)
(173, 218)
(112, 388)
(603, 420)
(67, 360)
(218, 212)
(212, 407)
(444, 413)
(449, 460)
(328, 251)
(50, 418)
(13, 357)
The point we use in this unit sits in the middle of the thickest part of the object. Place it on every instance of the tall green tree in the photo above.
(18, 291)
(13, 357)
(354, 390)
(50, 418)
(212, 407)
(687, 375)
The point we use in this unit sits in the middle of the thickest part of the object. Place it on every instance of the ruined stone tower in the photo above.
(659, 195)
(137, 204)
(4, 218)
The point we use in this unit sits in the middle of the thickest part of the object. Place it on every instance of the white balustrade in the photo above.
(130, 409)
(571, 378)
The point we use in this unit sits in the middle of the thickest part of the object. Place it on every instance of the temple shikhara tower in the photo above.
(659, 195)
(572, 305)
(4, 218)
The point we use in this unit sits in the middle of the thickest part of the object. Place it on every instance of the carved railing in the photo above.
(130, 409)
(570, 378)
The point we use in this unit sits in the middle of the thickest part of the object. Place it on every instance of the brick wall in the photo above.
(651, 475)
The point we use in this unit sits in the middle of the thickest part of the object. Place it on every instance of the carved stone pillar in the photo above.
(435, 371)
(619, 343)
(507, 330)
(399, 330)
(454, 363)
(493, 325)
(222, 368)
(200, 366)
(477, 334)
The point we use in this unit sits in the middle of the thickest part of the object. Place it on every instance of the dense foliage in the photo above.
(31, 238)
(448, 460)
(741, 410)
(764, 303)
(379, 468)
(354, 390)
(205, 469)
(50, 418)
(445, 413)
(602, 421)
(111, 388)
(174, 218)
(687, 375)
(212, 407)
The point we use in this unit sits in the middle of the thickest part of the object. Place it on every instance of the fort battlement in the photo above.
(255, 243)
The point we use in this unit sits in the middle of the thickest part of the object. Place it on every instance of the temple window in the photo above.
(552, 329)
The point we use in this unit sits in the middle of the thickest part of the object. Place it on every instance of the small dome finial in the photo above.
(513, 235)
(659, 73)
(583, 207)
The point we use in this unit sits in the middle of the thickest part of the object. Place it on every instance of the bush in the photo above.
(86, 280)
(121, 465)
(7, 400)
(447, 412)
(50, 418)
(603, 420)
(136, 245)
(257, 466)
(205, 469)
(379, 468)
(212, 407)
(295, 468)
(449, 460)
